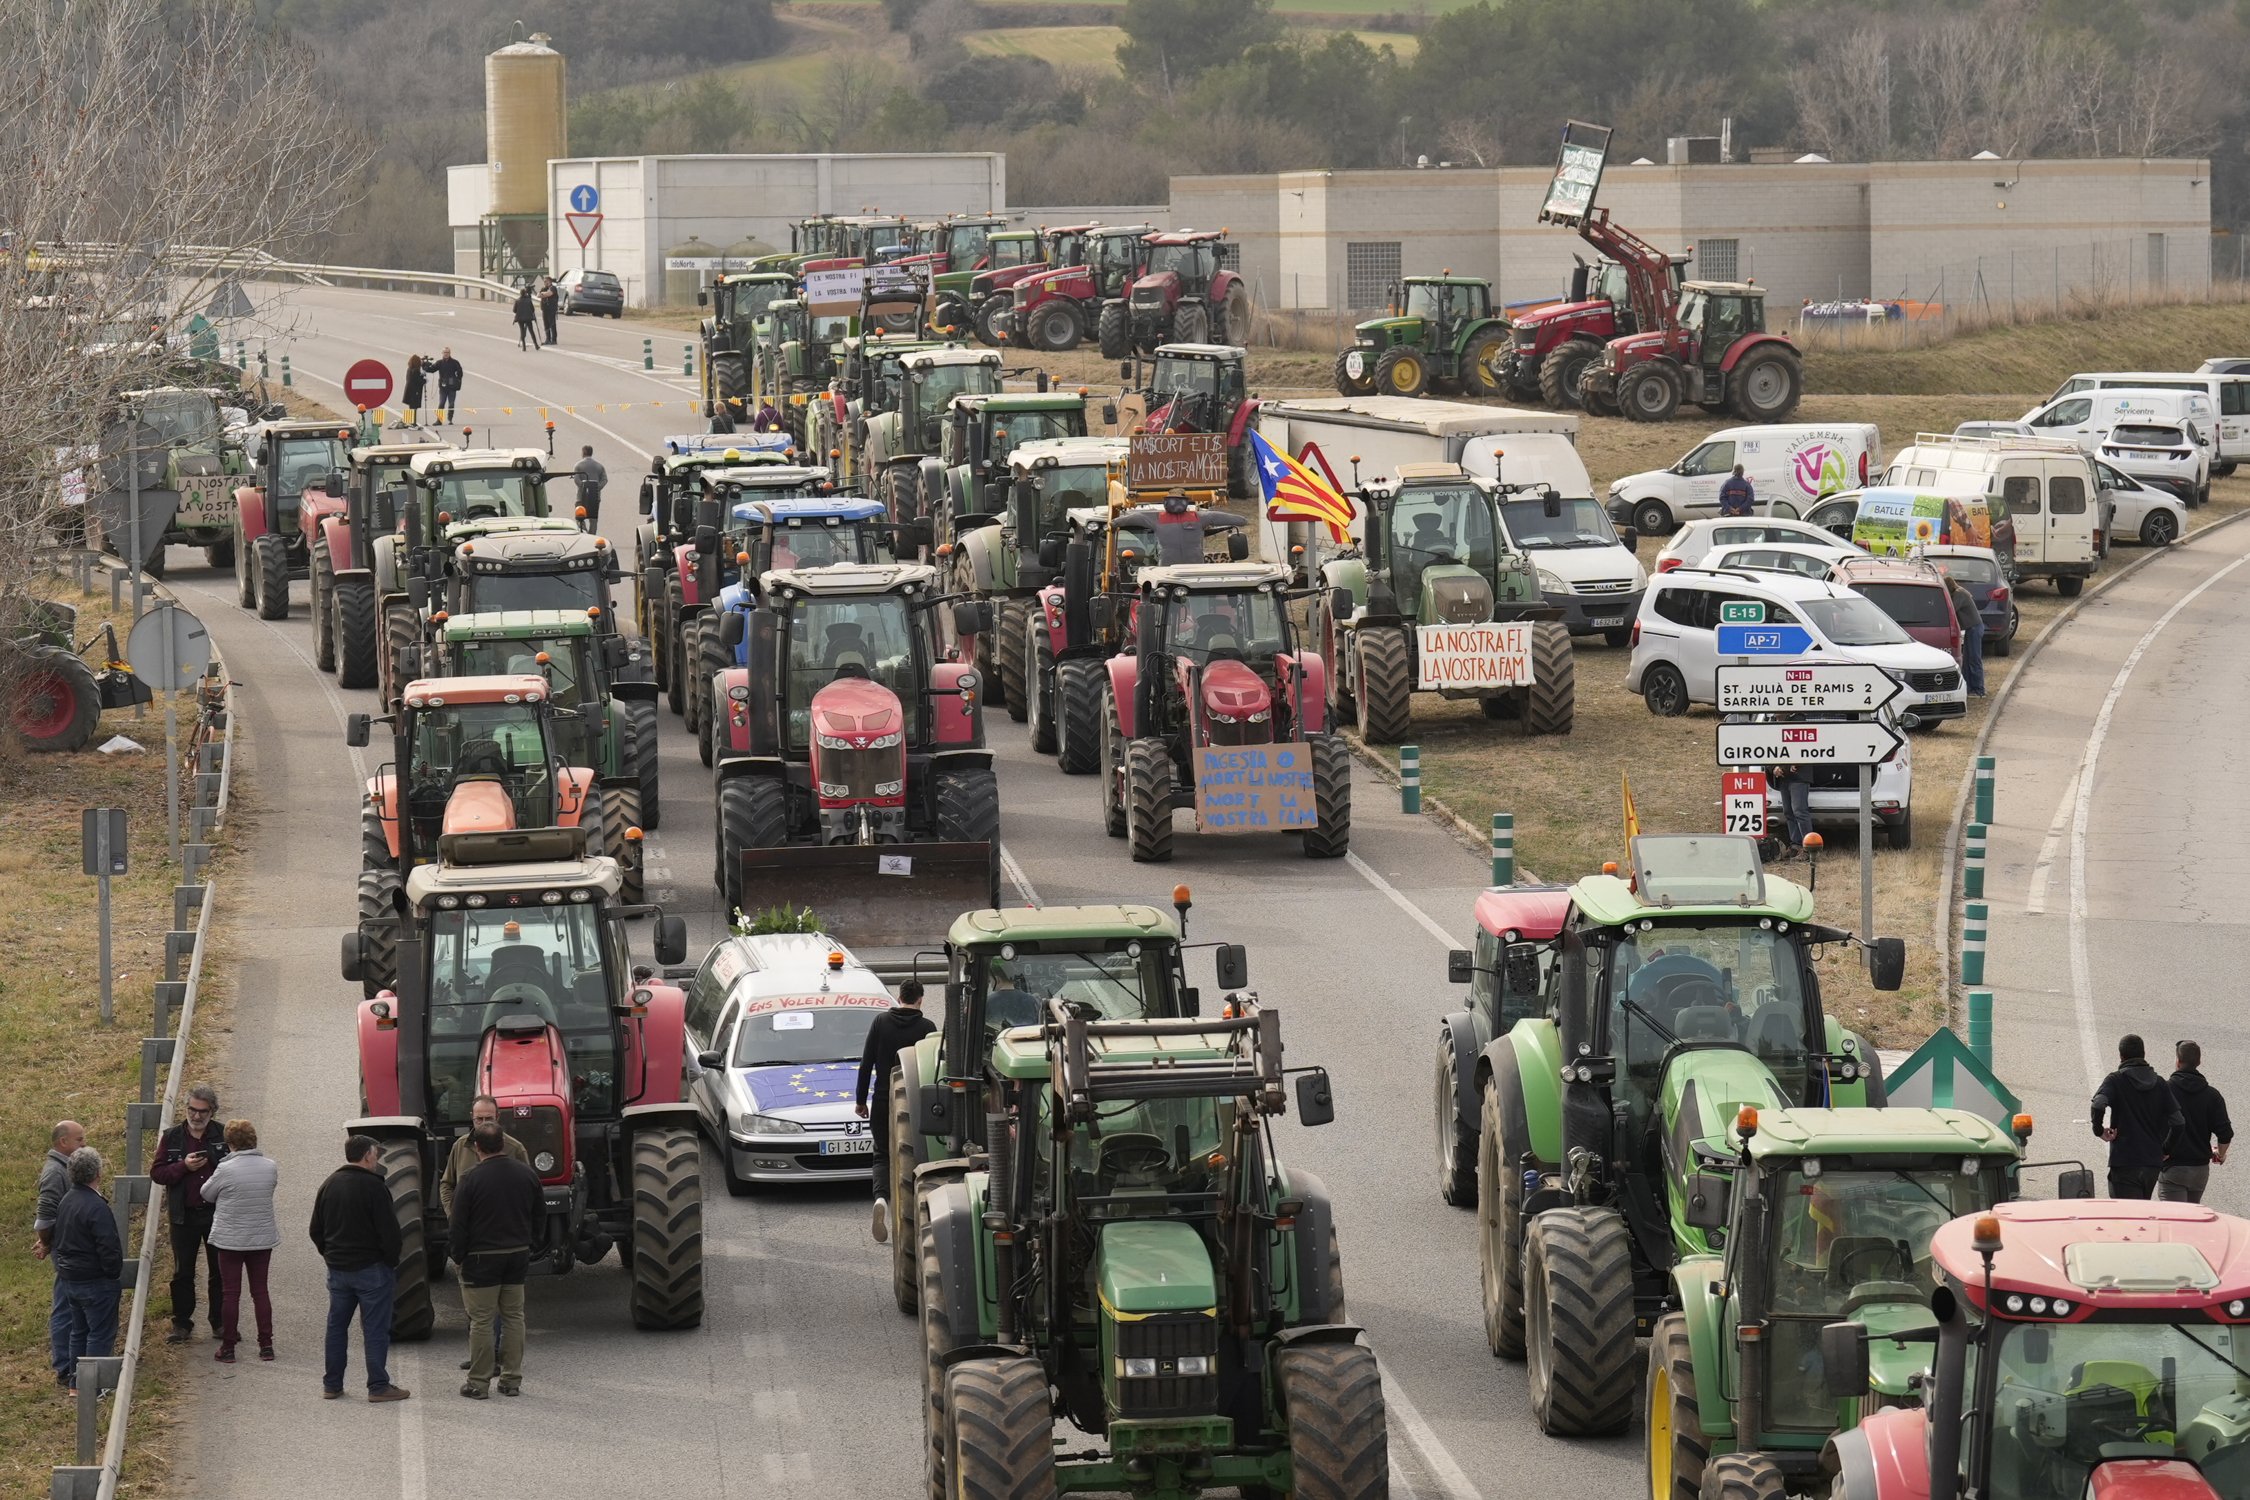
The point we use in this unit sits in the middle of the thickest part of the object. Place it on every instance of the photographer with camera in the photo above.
(185, 1159)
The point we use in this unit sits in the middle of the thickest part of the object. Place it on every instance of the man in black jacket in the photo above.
(355, 1229)
(89, 1257)
(899, 1027)
(2135, 1112)
(2203, 1114)
(448, 371)
(496, 1210)
(185, 1159)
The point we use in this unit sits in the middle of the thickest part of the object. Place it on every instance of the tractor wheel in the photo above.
(938, 1340)
(728, 380)
(1148, 805)
(1744, 1476)
(1675, 1449)
(378, 966)
(1335, 644)
(1481, 369)
(1331, 834)
(712, 658)
(412, 1316)
(220, 554)
(1501, 1143)
(642, 758)
(968, 805)
(1191, 323)
(1007, 654)
(1578, 1321)
(1113, 770)
(1078, 716)
(402, 648)
(356, 648)
(1596, 400)
(1113, 326)
(698, 685)
(1649, 392)
(57, 704)
(323, 586)
(1551, 702)
(667, 1243)
(648, 588)
(1456, 1137)
(621, 813)
(245, 575)
(1559, 372)
(1386, 685)
(999, 1430)
(1231, 323)
(753, 814)
(1767, 384)
(674, 680)
(273, 578)
(1402, 371)
(1057, 327)
(900, 496)
(906, 1155)
(1039, 686)
(990, 319)
(1339, 1442)
(1355, 372)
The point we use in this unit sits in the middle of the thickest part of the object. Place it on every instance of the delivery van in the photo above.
(2045, 485)
(2229, 393)
(2087, 418)
(1790, 465)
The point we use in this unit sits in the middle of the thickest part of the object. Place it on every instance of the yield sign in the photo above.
(367, 383)
(583, 225)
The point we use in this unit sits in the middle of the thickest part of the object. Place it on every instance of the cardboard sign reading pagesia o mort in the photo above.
(1176, 460)
(1255, 788)
(1473, 656)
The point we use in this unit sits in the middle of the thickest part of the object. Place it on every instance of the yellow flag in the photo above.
(1632, 816)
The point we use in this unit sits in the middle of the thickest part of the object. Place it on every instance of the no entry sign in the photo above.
(367, 383)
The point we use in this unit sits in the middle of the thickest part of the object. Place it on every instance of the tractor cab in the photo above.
(1112, 257)
(1196, 387)
(1440, 335)
(729, 522)
(1218, 625)
(293, 458)
(929, 379)
(1434, 548)
(738, 302)
(867, 236)
(187, 449)
(1184, 293)
(981, 434)
(1012, 250)
(472, 753)
(457, 491)
(544, 570)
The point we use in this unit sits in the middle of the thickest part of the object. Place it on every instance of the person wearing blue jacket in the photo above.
(89, 1257)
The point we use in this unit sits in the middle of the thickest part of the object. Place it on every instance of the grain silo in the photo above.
(526, 125)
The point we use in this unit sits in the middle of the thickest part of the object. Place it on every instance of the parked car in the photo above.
(2086, 417)
(597, 292)
(1803, 559)
(1834, 799)
(2046, 487)
(1676, 648)
(1695, 541)
(2131, 509)
(2158, 454)
(1584, 569)
(2229, 391)
(1978, 570)
(1911, 592)
(1994, 429)
(1789, 464)
(2224, 364)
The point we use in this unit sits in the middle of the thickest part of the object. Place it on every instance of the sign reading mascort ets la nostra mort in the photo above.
(1473, 656)
(1176, 461)
(1255, 788)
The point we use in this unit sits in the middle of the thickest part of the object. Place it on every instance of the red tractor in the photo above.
(1182, 296)
(1217, 711)
(515, 980)
(2097, 1349)
(345, 626)
(1204, 388)
(1053, 310)
(278, 512)
(1714, 351)
(988, 308)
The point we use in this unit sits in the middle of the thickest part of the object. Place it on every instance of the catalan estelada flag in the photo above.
(1295, 493)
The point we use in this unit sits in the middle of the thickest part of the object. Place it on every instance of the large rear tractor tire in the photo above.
(753, 814)
(1148, 800)
(1057, 327)
(1744, 1476)
(1113, 326)
(1355, 372)
(273, 578)
(1675, 1449)
(1114, 794)
(220, 554)
(1559, 372)
(1230, 320)
(728, 380)
(671, 674)
(402, 648)
(1551, 702)
(1339, 1440)
(999, 1430)
(906, 1155)
(621, 816)
(1402, 371)
(358, 648)
(938, 1340)
(968, 806)
(1078, 716)
(55, 705)
(1008, 638)
(322, 584)
(1331, 835)
(991, 317)
(245, 572)
(1500, 1146)
(1191, 323)
(1456, 1137)
(711, 658)
(1767, 384)
(666, 1249)
(644, 758)
(1386, 686)
(1578, 1321)
(412, 1315)
(1483, 372)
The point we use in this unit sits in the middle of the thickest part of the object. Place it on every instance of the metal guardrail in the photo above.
(175, 994)
(256, 265)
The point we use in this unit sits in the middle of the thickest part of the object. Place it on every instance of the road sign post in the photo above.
(102, 852)
(174, 651)
(367, 384)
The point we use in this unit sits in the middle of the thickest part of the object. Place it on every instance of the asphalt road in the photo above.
(803, 1379)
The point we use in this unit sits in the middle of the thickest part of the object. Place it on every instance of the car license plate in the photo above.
(851, 1145)
(1601, 621)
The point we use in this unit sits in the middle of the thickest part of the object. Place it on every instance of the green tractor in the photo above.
(1396, 613)
(1129, 1256)
(894, 443)
(1441, 336)
(736, 305)
(971, 466)
(1684, 989)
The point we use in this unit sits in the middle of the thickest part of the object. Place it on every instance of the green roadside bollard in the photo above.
(265, 369)
(648, 354)
(287, 382)
(1985, 768)
(1503, 848)
(1972, 862)
(1980, 1025)
(1973, 917)
(687, 360)
(242, 354)
(1410, 778)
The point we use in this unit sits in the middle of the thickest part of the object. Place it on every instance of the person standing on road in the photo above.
(2203, 1113)
(246, 1232)
(494, 1213)
(54, 1181)
(2135, 1112)
(448, 382)
(899, 1027)
(1972, 633)
(591, 477)
(355, 1229)
(1737, 495)
(550, 305)
(527, 330)
(484, 1114)
(185, 1159)
(412, 389)
(89, 1264)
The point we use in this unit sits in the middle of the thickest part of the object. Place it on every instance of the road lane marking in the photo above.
(413, 1447)
(2081, 965)
(1407, 1420)
(1398, 899)
(2035, 901)
(1014, 872)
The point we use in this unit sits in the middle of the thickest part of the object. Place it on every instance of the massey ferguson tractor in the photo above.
(1216, 710)
(1181, 296)
(987, 309)
(1054, 310)
(851, 762)
(515, 980)
(277, 513)
(346, 632)
(1713, 350)
(1204, 388)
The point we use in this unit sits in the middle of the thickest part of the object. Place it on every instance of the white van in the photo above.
(2047, 483)
(2086, 417)
(1790, 465)
(2229, 393)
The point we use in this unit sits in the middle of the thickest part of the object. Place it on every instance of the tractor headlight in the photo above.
(1195, 1364)
(834, 789)
(1261, 716)
(544, 1162)
(1137, 1369)
(886, 741)
(889, 788)
(836, 742)
(1219, 718)
(770, 1125)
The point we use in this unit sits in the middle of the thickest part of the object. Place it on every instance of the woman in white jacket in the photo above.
(245, 1231)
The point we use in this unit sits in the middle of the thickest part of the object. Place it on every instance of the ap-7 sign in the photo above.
(1255, 789)
(1473, 656)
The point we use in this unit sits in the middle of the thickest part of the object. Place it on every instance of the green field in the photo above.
(1302, 10)
(1095, 47)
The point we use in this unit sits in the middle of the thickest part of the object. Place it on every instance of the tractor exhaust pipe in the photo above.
(1000, 1161)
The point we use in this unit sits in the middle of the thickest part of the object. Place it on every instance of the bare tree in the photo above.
(1843, 96)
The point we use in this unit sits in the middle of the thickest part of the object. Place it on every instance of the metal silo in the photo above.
(526, 123)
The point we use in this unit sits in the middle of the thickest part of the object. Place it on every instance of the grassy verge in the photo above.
(2038, 356)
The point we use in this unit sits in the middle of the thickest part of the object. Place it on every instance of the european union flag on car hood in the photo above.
(790, 1085)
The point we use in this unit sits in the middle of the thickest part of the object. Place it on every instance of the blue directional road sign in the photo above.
(1764, 640)
(583, 198)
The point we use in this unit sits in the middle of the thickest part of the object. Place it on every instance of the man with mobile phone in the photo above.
(185, 1159)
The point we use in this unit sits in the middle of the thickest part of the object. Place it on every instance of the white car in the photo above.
(1695, 541)
(1676, 640)
(1805, 559)
(2132, 509)
(2158, 455)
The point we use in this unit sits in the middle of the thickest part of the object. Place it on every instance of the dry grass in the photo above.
(2034, 358)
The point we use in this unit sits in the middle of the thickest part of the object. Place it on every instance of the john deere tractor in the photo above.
(1685, 989)
(896, 441)
(1130, 1257)
(736, 304)
(1441, 336)
(1403, 611)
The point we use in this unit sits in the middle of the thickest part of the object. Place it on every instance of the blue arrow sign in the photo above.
(583, 198)
(1764, 640)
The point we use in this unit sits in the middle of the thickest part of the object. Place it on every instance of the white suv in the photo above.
(1676, 640)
